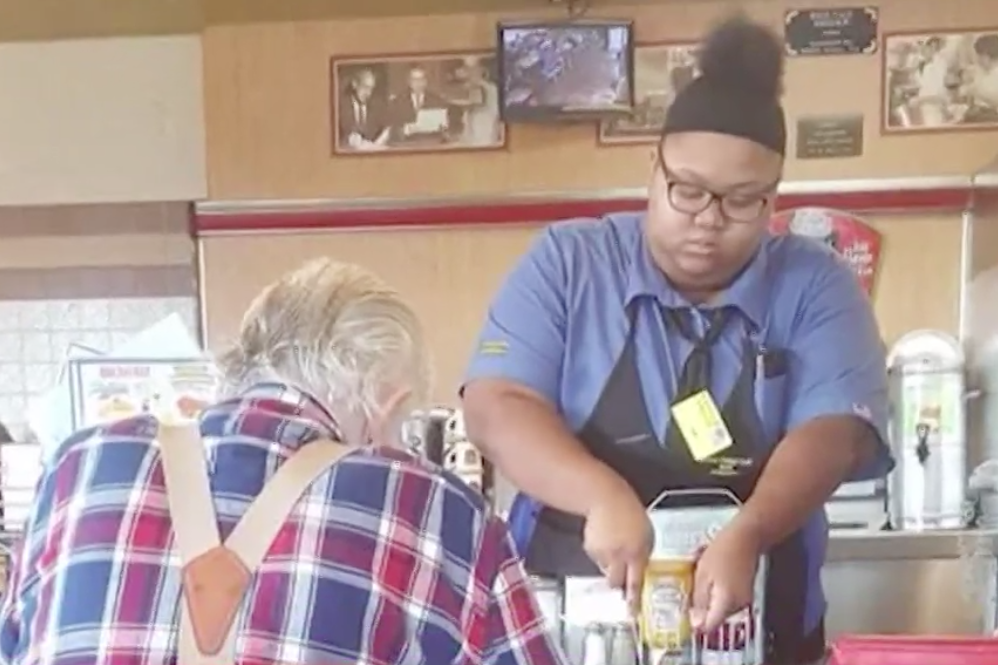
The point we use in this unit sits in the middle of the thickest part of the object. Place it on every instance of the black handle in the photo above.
(922, 449)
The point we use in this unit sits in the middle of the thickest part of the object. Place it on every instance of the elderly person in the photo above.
(370, 555)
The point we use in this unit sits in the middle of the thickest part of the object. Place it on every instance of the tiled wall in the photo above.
(34, 338)
(87, 274)
(35, 335)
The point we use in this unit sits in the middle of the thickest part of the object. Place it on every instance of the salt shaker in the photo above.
(594, 645)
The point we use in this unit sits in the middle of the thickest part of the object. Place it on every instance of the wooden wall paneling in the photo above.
(982, 329)
(919, 281)
(269, 126)
(983, 271)
(450, 276)
(247, 11)
(36, 20)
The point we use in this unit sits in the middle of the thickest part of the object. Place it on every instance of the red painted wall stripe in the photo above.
(953, 199)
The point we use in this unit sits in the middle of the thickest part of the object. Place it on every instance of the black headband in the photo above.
(707, 106)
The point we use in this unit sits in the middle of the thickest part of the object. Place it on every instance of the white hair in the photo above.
(336, 331)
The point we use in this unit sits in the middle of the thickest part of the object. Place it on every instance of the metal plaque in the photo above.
(826, 137)
(842, 31)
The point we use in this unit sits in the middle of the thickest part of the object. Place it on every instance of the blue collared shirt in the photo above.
(559, 323)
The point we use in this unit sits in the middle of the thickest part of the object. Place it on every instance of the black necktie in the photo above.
(695, 376)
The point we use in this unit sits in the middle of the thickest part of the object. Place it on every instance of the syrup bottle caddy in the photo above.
(664, 625)
(594, 625)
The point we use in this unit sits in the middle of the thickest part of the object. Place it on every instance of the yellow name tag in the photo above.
(701, 424)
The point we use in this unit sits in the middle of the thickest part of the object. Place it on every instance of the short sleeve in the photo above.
(838, 360)
(523, 339)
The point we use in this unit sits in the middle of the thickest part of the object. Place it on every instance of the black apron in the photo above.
(620, 433)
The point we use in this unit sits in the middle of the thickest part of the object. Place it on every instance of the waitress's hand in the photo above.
(724, 582)
(618, 538)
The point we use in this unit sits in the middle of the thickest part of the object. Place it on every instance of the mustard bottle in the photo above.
(665, 604)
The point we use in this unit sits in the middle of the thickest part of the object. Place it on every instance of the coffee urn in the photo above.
(928, 431)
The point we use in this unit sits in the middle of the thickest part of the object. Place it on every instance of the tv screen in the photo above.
(571, 69)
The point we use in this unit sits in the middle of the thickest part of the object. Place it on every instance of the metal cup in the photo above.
(624, 647)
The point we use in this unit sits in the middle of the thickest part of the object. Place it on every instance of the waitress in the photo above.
(609, 330)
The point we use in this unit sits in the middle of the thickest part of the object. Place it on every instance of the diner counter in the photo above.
(910, 545)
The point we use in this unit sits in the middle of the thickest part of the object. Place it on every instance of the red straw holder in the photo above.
(910, 650)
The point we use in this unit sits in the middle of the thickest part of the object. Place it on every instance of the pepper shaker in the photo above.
(624, 646)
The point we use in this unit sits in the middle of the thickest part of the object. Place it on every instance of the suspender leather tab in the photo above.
(217, 575)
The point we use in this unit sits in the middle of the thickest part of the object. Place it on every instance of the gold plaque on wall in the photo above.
(826, 137)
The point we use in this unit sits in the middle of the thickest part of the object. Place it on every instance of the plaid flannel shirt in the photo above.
(385, 560)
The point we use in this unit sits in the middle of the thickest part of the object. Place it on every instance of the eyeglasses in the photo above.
(693, 199)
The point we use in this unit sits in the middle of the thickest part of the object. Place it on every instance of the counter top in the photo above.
(901, 545)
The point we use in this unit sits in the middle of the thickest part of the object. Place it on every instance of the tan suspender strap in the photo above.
(216, 579)
(252, 537)
(188, 493)
(195, 527)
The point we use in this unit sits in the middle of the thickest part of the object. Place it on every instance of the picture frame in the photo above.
(939, 81)
(415, 103)
(661, 69)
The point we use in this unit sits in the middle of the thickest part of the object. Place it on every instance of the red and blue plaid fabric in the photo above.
(385, 560)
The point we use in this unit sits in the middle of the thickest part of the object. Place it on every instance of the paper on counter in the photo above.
(50, 415)
(167, 339)
(591, 600)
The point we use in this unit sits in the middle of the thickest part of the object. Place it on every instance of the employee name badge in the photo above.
(701, 424)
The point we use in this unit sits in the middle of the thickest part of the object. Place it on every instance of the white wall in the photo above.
(102, 120)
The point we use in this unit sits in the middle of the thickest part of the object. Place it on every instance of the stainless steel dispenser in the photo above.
(461, 457)
(439, 436)
(423, 433)
(928, 431)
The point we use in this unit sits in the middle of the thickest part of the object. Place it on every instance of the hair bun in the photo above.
(742, 54)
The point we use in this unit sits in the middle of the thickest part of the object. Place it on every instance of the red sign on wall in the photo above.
(855, 240)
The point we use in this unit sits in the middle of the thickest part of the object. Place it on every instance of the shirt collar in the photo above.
(749, 292)
(289, 402)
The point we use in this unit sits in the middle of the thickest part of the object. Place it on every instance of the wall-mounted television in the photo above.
(565, 70)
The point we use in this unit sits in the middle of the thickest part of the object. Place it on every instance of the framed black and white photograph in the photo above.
(940, 81)
(660, 71)
(415, 103)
